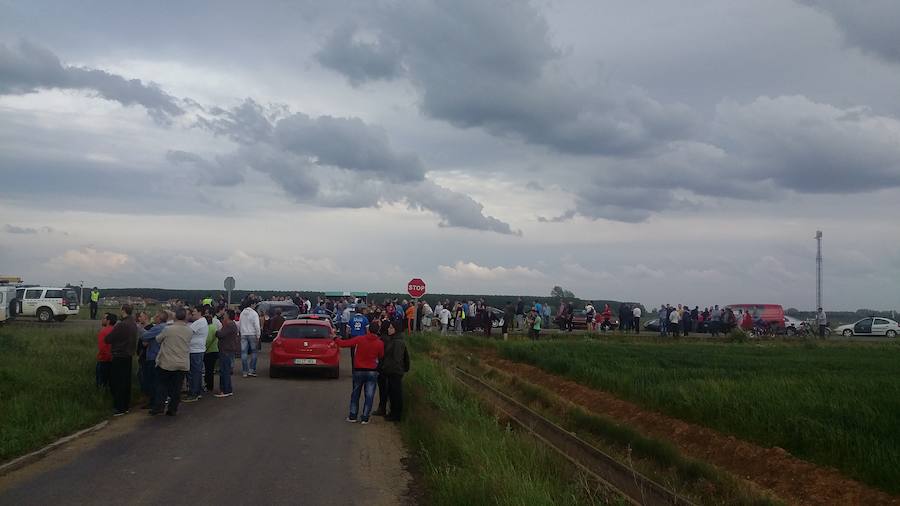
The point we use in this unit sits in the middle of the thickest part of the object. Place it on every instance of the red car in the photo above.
(305, 343)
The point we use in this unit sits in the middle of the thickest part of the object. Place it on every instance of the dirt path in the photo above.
(791, 479)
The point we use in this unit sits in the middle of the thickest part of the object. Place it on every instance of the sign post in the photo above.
(229, 286)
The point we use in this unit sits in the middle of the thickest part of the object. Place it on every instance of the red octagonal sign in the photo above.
(416, 288)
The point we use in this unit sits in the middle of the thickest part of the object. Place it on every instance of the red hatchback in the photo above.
(305, 343)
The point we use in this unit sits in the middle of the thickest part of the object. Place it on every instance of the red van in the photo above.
(772, 314)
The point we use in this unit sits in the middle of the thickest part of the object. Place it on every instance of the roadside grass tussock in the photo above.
(46, 387)
(833, 405)
(467, 458)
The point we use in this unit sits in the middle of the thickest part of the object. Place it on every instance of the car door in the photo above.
(863, 327)
(880, 327)
(31, 301)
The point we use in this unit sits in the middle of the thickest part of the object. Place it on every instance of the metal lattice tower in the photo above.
(819, 269)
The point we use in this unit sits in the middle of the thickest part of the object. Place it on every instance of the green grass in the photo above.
(467, 458)
(833, 405)
(46, 386)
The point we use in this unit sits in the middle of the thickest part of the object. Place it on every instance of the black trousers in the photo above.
(93, 310)
(120, 383)
(209, 368)
(382, 392)
(168, 385)
(395, 392)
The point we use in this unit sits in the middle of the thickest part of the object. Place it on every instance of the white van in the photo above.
(8, 306)
(47, 303)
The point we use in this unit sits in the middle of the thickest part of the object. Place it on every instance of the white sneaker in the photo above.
(351, 420)
(244, 375)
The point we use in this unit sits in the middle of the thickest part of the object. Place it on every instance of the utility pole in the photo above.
(81, 300)
(818, 268)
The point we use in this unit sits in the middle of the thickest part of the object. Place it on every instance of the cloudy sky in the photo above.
(655, 151)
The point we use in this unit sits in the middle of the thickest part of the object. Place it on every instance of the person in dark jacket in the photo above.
(229, 345)
(123, 343)
(394, 366)
(387, 332)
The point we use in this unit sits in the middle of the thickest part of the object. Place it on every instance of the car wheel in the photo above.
(891, 333)
(274, 372)
(44, 314)
(335, 373)
(61, 318)
(848, 333)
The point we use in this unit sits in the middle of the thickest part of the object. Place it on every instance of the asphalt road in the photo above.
(276, 441)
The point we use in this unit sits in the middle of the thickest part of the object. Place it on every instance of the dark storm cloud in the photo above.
(26, 67)
(359, 60)
(335, 162)
(491, 65)
(869, 25)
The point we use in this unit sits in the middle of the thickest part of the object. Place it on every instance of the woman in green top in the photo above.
(211, 357)
(534, 327)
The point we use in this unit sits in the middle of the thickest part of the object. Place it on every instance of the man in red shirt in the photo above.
(369, 351)
(104, 350)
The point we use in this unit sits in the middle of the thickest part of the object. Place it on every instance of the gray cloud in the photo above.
(358, 60)
(335, 162)
(491, 65)
(869, 25)
(810, 147)
(13, 229)
(26, 67)
(220, 172)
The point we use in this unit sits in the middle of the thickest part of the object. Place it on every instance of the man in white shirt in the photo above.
(821, 321)
(445, 320)
(673, 322)
(636, 314)
(250, 330)
(199, 332)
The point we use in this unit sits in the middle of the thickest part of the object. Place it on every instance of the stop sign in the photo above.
(416, 288)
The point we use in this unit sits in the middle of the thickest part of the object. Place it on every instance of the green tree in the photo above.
(559, 292)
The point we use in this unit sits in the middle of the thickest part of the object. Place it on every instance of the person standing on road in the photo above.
(229, 342)
(589, 314)
(674, 320)
(386, 332)
(250, 331)
(104, 352)
(509, 314)
(369, 351)
(663, 316)
(393, 367)
(123, 344)
(172, 362)
(200, 329)
(148, 339)
(520, 314)
(95, 301)
(822, 322)
(445, 320)
(715, 321)
(636, 319)
(211, 355)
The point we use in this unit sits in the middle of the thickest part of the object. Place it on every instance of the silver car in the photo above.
(871, 326)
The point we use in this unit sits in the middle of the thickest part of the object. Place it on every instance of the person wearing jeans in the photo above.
(171, 363)
(250, 331)
(200, 330)
(229, 344)
(369, 351)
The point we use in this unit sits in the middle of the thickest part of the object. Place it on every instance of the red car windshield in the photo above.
(305, 332)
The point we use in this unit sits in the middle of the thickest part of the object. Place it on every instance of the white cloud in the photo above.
(642, 271)
(91, 260)
(472, 271)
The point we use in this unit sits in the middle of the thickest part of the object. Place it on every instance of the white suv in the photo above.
(47, 303)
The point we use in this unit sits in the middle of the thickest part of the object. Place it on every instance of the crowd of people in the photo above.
(178, 351)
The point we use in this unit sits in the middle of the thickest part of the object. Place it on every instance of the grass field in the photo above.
(46, 386)
(833, 405)
(467, 458)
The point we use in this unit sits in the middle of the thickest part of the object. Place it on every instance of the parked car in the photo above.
(9, 307)
(305, 343)
(47, 303)
(871, 326)
(793, 326)
(496, 320)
